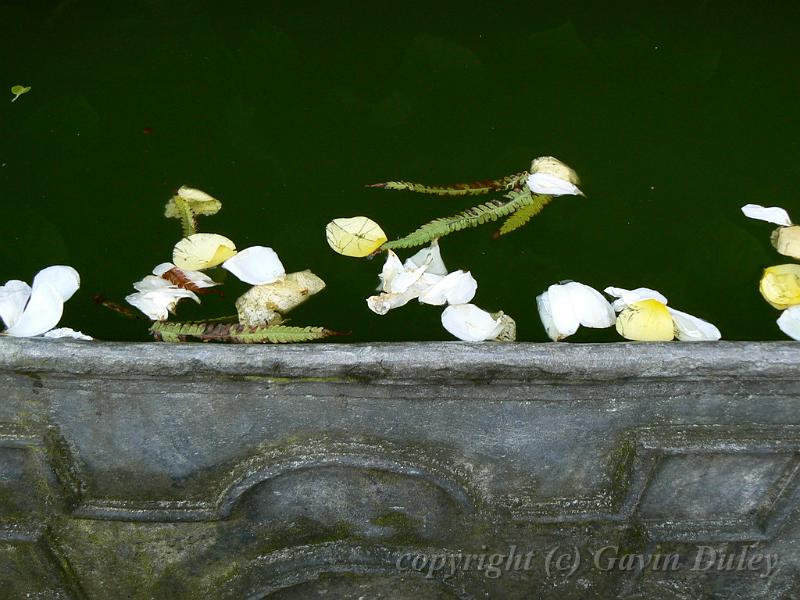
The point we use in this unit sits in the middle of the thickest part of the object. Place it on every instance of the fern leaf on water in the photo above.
(186, 214)
(458, 189)
(235, 333)
(472, 217)
(530, 209)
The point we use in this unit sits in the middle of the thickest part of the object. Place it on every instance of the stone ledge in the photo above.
(194, 470)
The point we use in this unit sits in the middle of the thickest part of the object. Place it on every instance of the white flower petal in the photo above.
(383, 303)
(565, 321)
(13, 298)
(162, 268)
(406, 278)
(551, 185)
(158, 303)
(66, 332)
(256, 265)
(689, 328)
(155, 306)
(628, 297)
(391, 268)
(156, 297)
(151, 283)
(770, 214)
(458, 287)
(469, 323)
(789, 322)
(64, 280)
(545, 314)
(590, 306)
(42, 313)
(431, 258)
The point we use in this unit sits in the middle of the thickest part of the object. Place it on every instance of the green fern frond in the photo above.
(472, 217)
(235, 333)
(474, 188)
(186, 215)
(529, 209)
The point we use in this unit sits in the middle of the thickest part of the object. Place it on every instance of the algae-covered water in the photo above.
(674, 115)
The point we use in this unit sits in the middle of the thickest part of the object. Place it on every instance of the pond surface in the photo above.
(674, 115)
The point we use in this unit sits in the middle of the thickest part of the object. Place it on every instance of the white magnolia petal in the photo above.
(469, 323)
(590, 306)
(156, 300)
(156, 297)
(42, 313)
(562, 311)
(405, 279)
(430, 257)
(628, 297)
(551, 185)
(689, 328)
(391, 267)
(256, 265)
(789, 322)
(383, 303)
(66, 332)
(770, 214)
(545, 314)
(151, 283)
(64, 280)
(154, 284)
(458, 287)
(162, 268)
(155, 306)
(13, 298)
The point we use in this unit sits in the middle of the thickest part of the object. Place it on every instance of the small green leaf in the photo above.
(530, 207)
(18, 90)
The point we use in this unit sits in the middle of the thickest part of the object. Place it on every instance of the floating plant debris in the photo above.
(526, 194)
(780, 284)
(19, 90)
(355, 236)
(260, 310)
(425, 277)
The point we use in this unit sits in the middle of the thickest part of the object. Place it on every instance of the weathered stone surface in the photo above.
(196, 470)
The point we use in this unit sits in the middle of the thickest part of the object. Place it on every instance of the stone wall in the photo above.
(436, 470)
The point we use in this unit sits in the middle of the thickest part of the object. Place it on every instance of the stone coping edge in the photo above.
(389, 362)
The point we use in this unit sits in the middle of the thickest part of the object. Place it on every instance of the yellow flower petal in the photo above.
(646, 321)
(355, 236)
(199, 202)
(552, 166)
(786, 240)
(202, 251)
(780, 285)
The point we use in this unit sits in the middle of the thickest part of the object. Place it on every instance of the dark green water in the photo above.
(674, 115)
